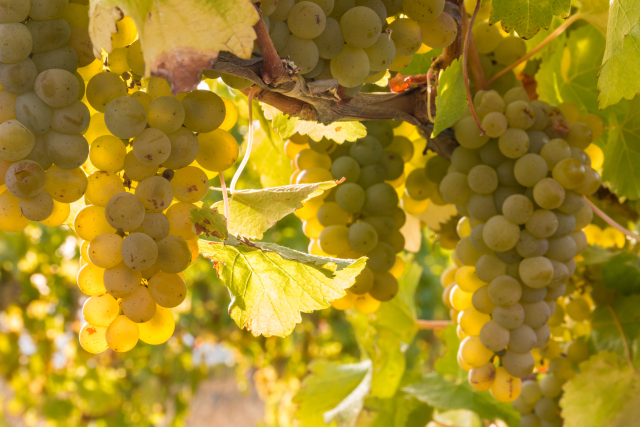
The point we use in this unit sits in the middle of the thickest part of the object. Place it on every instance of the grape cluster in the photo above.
(521, 188)
(136, 157)
(355, 41)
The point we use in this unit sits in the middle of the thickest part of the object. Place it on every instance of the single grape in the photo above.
(125, 117)
(104, 251)
(122, 334)
(120, 280)
(174, 254)
(92, 338)
(159, 329)
(104, 88)
(125, 211)
(25, 178)
(100, 310)
(66, 151)
(140, 306)
(168, 289)
(204, 111)
(218, 150)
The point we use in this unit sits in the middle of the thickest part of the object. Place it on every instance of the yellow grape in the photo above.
(121, 281)
(194, 248)
(84, 246)
(179, 223)
(414, 207)
(168, 289)
(471, 321)
(92, 338)
(366, 304)
(231, 116)
(90, 280)
(344, 302)
(140, 306)
(218, 150)
(174, 254)
(59, 215)
(482, 377)
(190, 184)
(505, 388)
(473, 352)
(107, 153)
(122, 334)
(460, 300)
(126, 33)
(467, 279)
(65, 186)
(309, 209)
(596, 155)
(100, 310)
(398, 267)
(90, 222)
(11, 218)
(159, 329)
(464, 365)
(292, 149)
(102, 186)
(104, 250)
(312, 228)
(448, 276)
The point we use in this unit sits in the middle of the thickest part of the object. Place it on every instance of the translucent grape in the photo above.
(482, 377)
(33, 113)
(16, 141)
(136, 170)
(100, 310)
(168, 289)
(120, 280)
(345, 167)
(505, 388)
(122, 334)
(514, 143)
(423, 10)
(125, 117)
(179, 215)
(151, 147)
(11, 218)
(104, 88)
(140, 306)
(166, 113)
(487, 37)
(440, 33)
(473, 352)
(351, 66)
(159, 329)
(104, 251)
(218, 150)
(92, 338)
(174, 254)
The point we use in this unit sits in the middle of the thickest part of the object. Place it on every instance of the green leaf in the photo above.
(252, 212)
(385, 335)
(606, 381)
(622, 154)
(538, 38)
(209, 221)
(451, 102)
(268, 158)
(421, 63)
(402, 410)
(176, 37)
(447, 365)
(594, 254)
(596, 12)
(622, 273)
(338, 131)
(445, 395)
(271, 285)
(333, 392)
(527, 17)
(606, 334)
(623, 16)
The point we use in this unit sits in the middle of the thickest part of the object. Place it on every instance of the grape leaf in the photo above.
(420, 63)
(451, 102)
(608, 382)
(606, 328)
(448, 363)
(445, 395)
(176, 35)
(527, 17)
(538, 38)
(337, 131)
(209, 221)
(271, 285)
(596, 12)
(333, 392)
(622, 273)
(252, 212)
(400, 410)
(621, 53)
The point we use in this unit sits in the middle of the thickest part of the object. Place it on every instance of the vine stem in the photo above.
(225, 197)
(625, 344)
(465, 71)
(247, 153)
(538, 48)
(613, 223)
(433, 324)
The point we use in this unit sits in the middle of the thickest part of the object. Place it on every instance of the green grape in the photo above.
(174, 254)
(440, 33)
(517, 209)
(81, 43)
(394, 166)
(16, 44)
(580, 135)
(218, 150)
(489, 102)
(471, 321)
(155, 193)
(122, 334)
(509, 50)
(554, 151)
(180, 224)
(33, 113)
(38, 154)
(500, 234)
(362, 237)
(366, 151)
(92, 338)
(350, 197)
(306, 20)
(360, 27)
(400, 62)
(530, 169)
(18, 78)
(333, 240)
(90, 222)
(330, 213)
(13, 11)
(487, 37)
(125, 211)
(505, 388)
(401, 145)
(184, 149)
(466, 253)
(548, 193)
(517, 364)
(363, 283)
(579, 238)
(536, 314)
(189, 184)
(345, 167)
(303, 53)
(505, 291)
(509, 317)
(72, 120)
(121, 281)
(156, 226)
(168, 289)
(236, 82)
(100, 310)
(551, 386)
(481, 207)
(506, 174)
(314, 175)
(136, 170)
(473, 352)
(423, 10)
(279, 32)
(381, 199)
(381, 53)
(569, 173)
(107, 153)
(562, 249)
(38, 207)
(590, 184)
(483, 179)
(468, 134)
(125, 117)
(495, 124)
(522, 339)
(7, 106)
(581, 156)
(384, 225)
(371, 174)
(482, 377)
(529, 420)
(330, 41)
(104, 88)
(24, 178)
(418, 186)
(381, 258)
(530, 246)
(577, 352)
(66, 151)
(406, 35)
(536, 272)
(520, 115)
(318, 69)
(547, 409)
(531, 392)
(42, 10)
(159, 329)
(514, 143)
(65, 186)
(135, 59)
(385, 286)
(57, 88)
(151, 147)
(350, 66)
(308, 158)
(90, 279)
(157, 86)
(117, 60)
(454, 188)
(489, 267)
(383, 132)
(481, 300)
(140, 306)
(104, 251)
(63, 58)
(340, 7)
(437, 168)
(16, 141)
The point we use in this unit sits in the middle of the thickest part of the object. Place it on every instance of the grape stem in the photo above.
(247, 153)
(538, 48)
(225, 197)
(474, 59)
(465, 70)
(433, 324)
(612, 223)
(272, 70)
(625, 344)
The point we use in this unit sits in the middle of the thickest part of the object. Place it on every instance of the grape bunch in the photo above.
(354, 41)
(521, 188)
(134, 158)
